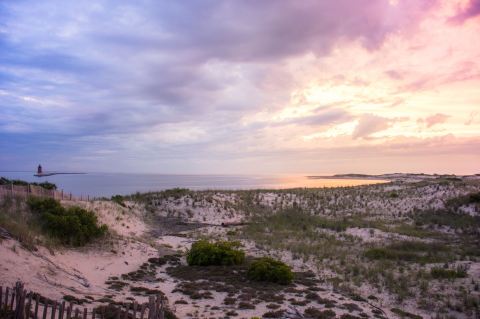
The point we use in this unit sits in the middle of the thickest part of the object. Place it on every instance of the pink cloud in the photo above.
(433, 120)
(369, 124)
(470, 11)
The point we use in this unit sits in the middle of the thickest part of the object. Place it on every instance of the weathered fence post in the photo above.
(127, 307)
(54, 308)
(151, 308)
(29, 305)
(61, 309)
(37, 301)
(134, 308)
(45, 308)
(142, 311)
(161, 308)
(69, 311)
(7, 290)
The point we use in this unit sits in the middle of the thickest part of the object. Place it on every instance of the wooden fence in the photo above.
(17, 303)
(33, 190)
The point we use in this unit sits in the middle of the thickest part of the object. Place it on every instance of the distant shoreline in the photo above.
(348, 176)
(56, 173)
(391, 176)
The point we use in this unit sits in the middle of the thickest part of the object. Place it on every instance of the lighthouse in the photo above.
(39, 170)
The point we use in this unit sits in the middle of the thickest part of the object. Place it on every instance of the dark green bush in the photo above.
(71, 226)
(410, 251)
(118, 199)
(205, 253)
(6, 181)
(442, 273)
(269, 269)
(447, 218)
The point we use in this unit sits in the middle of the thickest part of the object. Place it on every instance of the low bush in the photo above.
(205, 253)
(118, 199)
(445, 273)
(71, 226)
(18, 182)
(269, 269)
(447, 218)
(405, 314)
(410, 251)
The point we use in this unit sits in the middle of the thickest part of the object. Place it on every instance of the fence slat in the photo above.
(61, 309)
(1, 297)
(29, 306)
(54, 308)
(76, 313)
(151, 307)
(142, 311)
(127, 308)
(69, 311)
(135, 309)
(85, 313)
(7, 290)
(12, 299)
(37, 301)
(160, 314)
(45, 308)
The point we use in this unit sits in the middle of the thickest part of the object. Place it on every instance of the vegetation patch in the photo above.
(405, 314)
(410, 251)
(71, 226)
(205, 253)
(448, 218)
(17, 182)
(315, 313)
(445, 273)
(118, 199)
(269, 269)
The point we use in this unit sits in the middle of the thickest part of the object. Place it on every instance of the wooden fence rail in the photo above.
(17, 303)
(33, 190)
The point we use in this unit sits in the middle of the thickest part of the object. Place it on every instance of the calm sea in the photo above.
(108, 184)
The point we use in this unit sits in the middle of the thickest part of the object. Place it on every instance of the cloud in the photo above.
(168, 82)
(369, 124)
(470, 11)
(321, 116)
(435, 119)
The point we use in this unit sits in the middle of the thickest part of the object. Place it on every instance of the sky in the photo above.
(240, 86)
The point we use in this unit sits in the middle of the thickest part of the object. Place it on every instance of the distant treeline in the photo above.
(46, 185)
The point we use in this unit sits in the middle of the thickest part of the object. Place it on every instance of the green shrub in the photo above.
(442, 273)
(205, 253)
(71, 226)
(46, 185)
(405, 314)
(447, 218)
(118, 199)
(269, 269)
(410, 251)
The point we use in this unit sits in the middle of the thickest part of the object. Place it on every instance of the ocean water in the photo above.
(108, 184)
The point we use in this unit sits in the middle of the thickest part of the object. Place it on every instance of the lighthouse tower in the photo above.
(39, 170)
